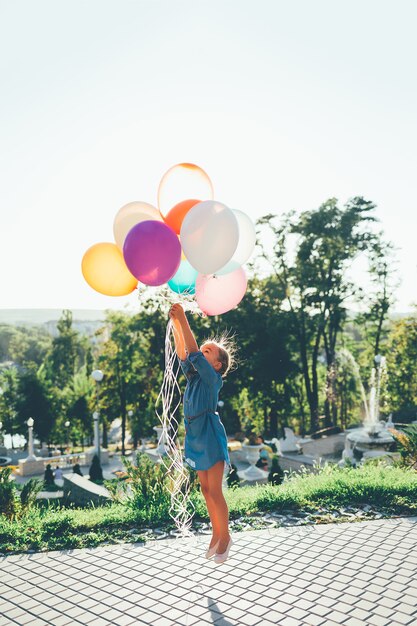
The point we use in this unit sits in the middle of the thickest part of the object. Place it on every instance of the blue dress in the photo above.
(205, 436)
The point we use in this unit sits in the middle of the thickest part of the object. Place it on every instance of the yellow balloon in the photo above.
(104, 269)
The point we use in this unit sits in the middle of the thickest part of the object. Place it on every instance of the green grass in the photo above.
(53, 527)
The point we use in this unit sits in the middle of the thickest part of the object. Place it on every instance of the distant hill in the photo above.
(48, 317)
(86, 321)
(38, 317)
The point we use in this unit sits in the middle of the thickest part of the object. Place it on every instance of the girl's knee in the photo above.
(205, 490)
(212, 492)
(216, 493)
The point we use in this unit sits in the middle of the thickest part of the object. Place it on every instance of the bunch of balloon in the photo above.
(216, 240)
(192, 242)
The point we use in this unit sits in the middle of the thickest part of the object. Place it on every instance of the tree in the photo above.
(132, 361)
(315, 280)
(80, 405)
(35, 401)
(70, 356)
(265, 371)
(9, 400)
(379, 296)
(62, 361)
(24, 346)
(402, 372)
(29, 346)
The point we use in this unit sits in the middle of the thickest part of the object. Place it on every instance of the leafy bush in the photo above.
(276, 475)
(48, 479)
(145, 487)
(407, 444)
(9, 501)
(232, 479)
(11, 505)
(29, 493)
(96, 473)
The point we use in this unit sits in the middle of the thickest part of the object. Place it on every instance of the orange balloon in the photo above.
(104, 269)
(176, 215)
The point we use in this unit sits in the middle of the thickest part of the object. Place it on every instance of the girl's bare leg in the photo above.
(221, 512)
(211, 506)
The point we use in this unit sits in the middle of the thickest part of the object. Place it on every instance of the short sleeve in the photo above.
(186, 367)
(207, 373)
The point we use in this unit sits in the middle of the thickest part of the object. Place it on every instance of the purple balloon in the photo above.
(152, 252)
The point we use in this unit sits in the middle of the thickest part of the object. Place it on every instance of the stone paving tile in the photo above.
(348, 574)
(402, 618)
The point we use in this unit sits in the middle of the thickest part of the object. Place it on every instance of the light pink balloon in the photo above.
(218, 294)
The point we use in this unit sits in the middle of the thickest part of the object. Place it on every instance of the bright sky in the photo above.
(284, 104)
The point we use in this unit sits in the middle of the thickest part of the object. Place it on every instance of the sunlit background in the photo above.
(284, 104)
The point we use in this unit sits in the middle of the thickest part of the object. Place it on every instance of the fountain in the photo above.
(373, 439)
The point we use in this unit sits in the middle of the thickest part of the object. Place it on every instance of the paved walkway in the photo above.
(327, 575)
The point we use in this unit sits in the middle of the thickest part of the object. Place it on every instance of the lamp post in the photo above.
(67, 425)
(130, 414)
(31, 453)
(96, 417)
(98, 377)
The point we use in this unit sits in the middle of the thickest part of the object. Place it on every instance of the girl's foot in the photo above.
(212, 550)
(224, 541)
(223, 556)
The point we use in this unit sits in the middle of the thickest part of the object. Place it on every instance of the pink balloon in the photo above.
(152, 252)
(218, 294)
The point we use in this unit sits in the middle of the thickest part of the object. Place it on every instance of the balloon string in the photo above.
(167, 296)
(179, 482)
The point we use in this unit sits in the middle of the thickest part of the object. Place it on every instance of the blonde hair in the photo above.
(226, 351)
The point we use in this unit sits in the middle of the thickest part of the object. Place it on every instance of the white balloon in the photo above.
(246, 245)
(209, 236)
(131, 214)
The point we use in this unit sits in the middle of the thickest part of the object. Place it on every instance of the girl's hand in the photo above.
(176, 312)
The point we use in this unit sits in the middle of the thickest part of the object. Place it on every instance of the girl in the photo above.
(205, 438)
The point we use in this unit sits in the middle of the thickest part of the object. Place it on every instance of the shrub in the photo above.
(232, 478)
(96, 473)
(48, 478)
(11, 505)
(142, 485)
(407, 444)
(9, 501)
(29, 493)
(276, 475)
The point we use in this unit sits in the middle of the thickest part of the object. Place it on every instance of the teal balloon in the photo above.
(184, 279)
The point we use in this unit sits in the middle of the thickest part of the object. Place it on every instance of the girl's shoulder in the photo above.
(205, 370)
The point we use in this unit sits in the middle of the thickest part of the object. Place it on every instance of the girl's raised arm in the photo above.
(177, 315)
(179, 340)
